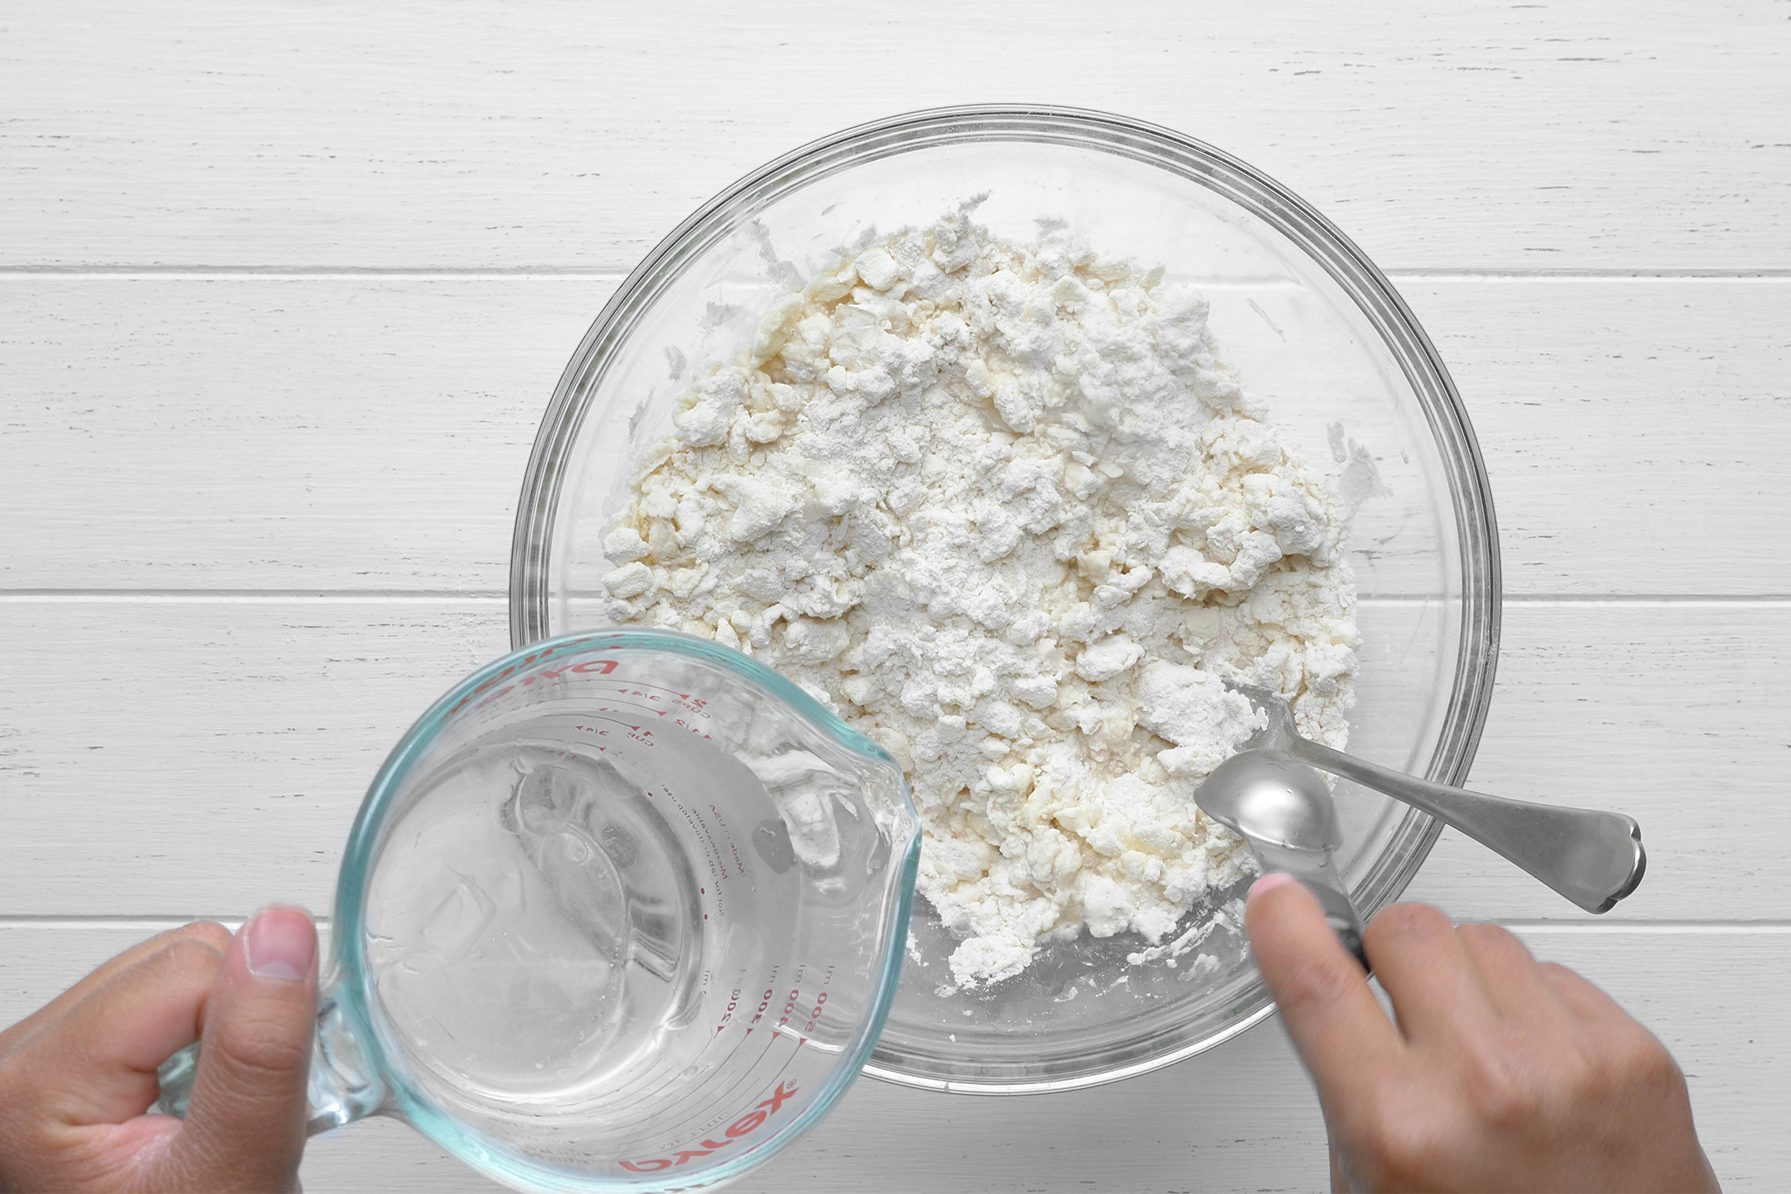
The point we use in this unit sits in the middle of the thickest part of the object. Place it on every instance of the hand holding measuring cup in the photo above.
(624, 910)
(78, 1075)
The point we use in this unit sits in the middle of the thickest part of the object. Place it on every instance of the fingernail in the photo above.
(279, 943)
(1270, 882)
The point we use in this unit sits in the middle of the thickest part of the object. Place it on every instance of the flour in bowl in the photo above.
(1003, 507)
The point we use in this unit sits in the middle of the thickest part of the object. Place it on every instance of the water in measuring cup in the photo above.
(554, 928)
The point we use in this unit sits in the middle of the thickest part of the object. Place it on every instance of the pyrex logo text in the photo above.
(744, 1126)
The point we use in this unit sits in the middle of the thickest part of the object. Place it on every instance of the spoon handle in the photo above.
(1594, 858)
(1318, 873)
(1340, 910)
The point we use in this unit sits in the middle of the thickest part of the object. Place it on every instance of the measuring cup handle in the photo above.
(342, 1087)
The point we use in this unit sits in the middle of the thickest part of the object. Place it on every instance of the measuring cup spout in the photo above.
(343, 1087)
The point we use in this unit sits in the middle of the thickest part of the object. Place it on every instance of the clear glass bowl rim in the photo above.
(1470, 691)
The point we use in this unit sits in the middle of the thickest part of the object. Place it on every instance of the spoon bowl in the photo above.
(1269, 797)
(1284, 812)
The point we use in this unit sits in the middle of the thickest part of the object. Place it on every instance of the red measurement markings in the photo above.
(611, 703)
(759, 1012)
(728, 1013)
(814, 1016)
(695, 704)
(636, 731)
(667, 713)
(798, 1018)
(489, 689)
(688, 727)
(764, 1001)
(790, 1001)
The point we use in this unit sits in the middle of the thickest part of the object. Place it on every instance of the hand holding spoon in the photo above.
(1283, 810)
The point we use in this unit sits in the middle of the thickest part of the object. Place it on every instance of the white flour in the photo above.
(1006, 511)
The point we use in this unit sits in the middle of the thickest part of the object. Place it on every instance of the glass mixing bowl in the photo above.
(1317, 334)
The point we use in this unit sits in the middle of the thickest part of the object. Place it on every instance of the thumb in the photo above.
(1338, 1028)
(245, 1125)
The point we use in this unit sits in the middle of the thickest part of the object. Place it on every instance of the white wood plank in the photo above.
(1606, 135)
(364, 433)
(151, 748)
(200, 757)
(1633, 432)
(371, 432)
(1239, 1118)
(361, 432)
(1673, 713)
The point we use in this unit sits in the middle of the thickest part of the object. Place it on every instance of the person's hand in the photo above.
(1501, 1073)
(77, 1078)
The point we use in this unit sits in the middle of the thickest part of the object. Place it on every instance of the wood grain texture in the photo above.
(1239, 1118)
(251, 433)
(200, 757)
(1607, 135)
(356, 433)
(285, 287)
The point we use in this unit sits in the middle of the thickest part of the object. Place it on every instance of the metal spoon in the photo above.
(1283, 810)
(1594, 858)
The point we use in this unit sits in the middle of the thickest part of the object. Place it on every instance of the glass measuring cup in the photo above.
(623, 910)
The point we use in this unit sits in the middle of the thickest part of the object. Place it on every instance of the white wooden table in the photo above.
(284, 289)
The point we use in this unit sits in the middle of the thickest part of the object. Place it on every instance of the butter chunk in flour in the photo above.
(1004, 508)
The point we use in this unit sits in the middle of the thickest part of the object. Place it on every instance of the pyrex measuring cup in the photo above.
(623, 910)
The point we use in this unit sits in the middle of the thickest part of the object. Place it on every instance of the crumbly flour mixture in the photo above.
(1005, 509)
